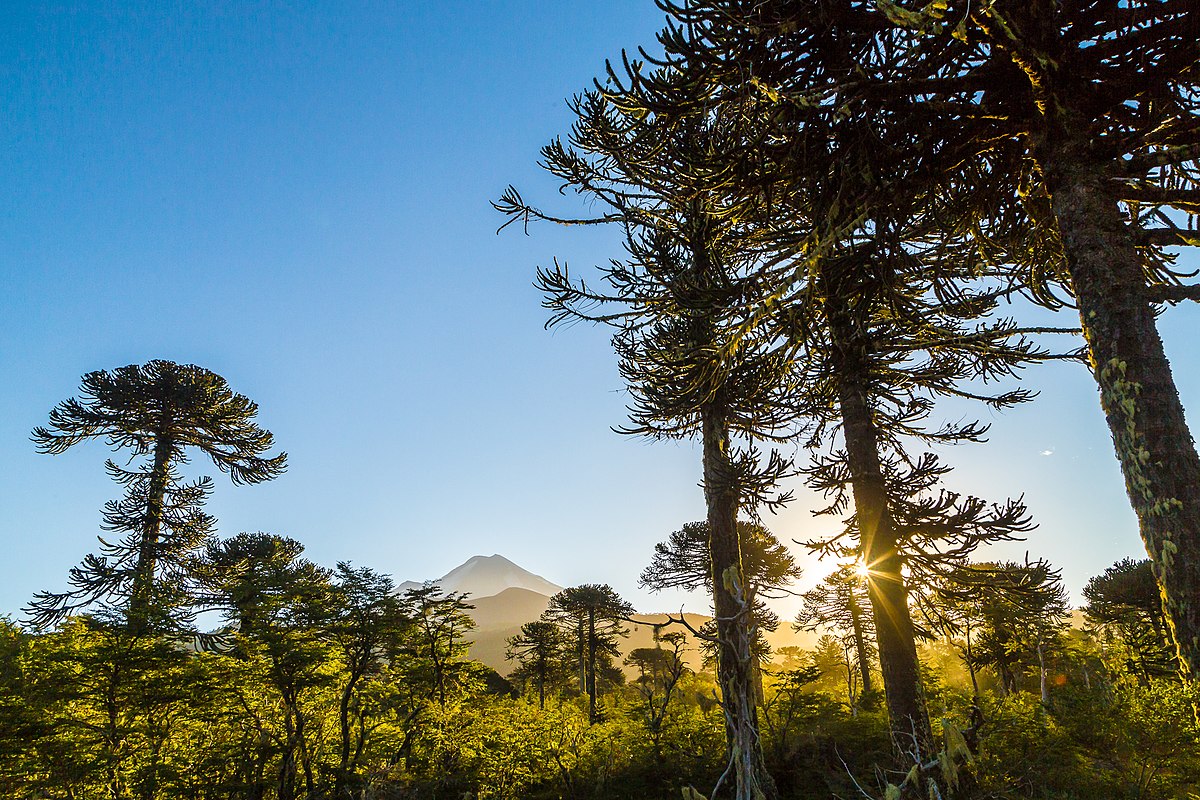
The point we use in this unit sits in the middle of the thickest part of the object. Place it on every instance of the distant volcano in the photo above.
(484, 576)
(505, 597)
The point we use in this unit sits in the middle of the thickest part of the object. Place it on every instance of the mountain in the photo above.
(485, 576)
(506, 596)
(499, 617)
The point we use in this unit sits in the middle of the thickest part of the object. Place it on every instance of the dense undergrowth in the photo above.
(87, 713)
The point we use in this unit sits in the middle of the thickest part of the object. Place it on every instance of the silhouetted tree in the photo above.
(840, 603)
(684, 562)
(538, 650)
(1016, 613)
(689, 370)
(159, 410)
(593, 613)
(884, 310)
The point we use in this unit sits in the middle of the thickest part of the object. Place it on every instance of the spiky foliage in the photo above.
(872, 268)
(685, 372)
(538, 651)
(1124, 606)
(591, 615)
(159, 411)
(1099, 102)
(684, 562)
(1066, 131)
(1015, 612)
(840, 604)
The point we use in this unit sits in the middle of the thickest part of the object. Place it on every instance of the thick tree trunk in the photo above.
(911, 732)
(735, 625)
(1137, 391)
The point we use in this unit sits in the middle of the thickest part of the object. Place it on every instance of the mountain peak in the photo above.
(484, 576)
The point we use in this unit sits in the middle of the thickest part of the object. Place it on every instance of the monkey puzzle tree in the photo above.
(160, 411)
(871, 273)
(1125, 607)
(684, 562)
(685, 263)
(840, 603)
(1105, 103)
(593, 614)
(1016, 613)
(1085, 112)
(538, 650)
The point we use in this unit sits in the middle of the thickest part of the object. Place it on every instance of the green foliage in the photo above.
(1125, 610)
(1123, 742)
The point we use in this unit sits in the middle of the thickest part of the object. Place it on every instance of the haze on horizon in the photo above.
(300, 203)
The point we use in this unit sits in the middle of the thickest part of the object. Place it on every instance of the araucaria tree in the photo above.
(690, 370)
(684, 562)
(1076, 122)
(871, 275)
(538, 651)
(1124, 607)
(161, 412)
(840, 604)
(592, 615)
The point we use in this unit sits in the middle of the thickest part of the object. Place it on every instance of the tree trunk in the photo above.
(1043, 686)
(970, 660)
(341, 779)
(911, 732)
(1137, 391)
(860, 644)
(735, 625)
(591, 665)
(582, 656)
(143, 575)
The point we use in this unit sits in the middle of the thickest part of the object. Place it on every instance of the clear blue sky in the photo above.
(296, 197)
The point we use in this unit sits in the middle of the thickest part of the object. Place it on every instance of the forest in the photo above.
(841, 223)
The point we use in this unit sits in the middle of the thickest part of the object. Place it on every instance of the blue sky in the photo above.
(296, 196)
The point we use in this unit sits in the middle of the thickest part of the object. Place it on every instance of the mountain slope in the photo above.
(485, 576)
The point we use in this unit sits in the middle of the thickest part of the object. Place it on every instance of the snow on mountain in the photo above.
(484, 576)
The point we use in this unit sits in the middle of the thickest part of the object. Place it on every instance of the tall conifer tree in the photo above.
(160, 411)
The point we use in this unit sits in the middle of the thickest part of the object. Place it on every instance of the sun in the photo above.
(862, 570)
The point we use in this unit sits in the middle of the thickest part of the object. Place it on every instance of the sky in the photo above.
(296, 196)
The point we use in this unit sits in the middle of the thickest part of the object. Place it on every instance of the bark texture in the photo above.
(141, 596)
(1137, 391)
(886, 588)
(735, 624)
